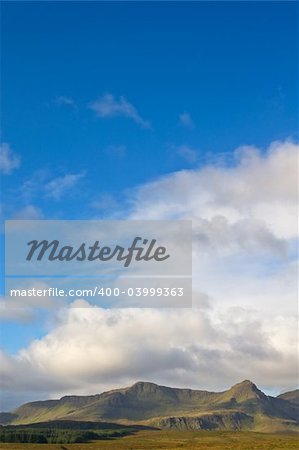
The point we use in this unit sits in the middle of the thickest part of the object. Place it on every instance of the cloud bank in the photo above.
(92, 349)
(243, 323)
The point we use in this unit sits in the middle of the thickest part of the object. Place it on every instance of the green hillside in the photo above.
(243, 406)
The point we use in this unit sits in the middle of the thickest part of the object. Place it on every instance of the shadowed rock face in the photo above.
(233, 421)
(167, 407)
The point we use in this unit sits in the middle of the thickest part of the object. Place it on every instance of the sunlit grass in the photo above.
(175, 440)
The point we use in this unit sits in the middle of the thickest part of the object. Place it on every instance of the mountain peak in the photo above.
(246, 390)
(143, 386)
(143, 383)
(247, 383)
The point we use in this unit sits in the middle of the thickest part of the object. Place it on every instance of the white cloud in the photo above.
(43, 184)
(244, 224)
(188, 153)
(9, 161)
(105, 202)
(59, 186)
(109, 106)
(29, 212)
(64, 100)
(186, 120)
(16, 314)
(259, 186)
(92, 349)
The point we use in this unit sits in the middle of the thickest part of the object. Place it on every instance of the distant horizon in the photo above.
(242, 407)
(159, 385)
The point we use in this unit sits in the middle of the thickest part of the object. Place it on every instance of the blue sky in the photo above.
(99, 98)
(230, 66)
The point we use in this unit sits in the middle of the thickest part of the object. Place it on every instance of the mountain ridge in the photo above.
(243, 406)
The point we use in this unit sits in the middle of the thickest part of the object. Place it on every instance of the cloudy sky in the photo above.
(156, 111)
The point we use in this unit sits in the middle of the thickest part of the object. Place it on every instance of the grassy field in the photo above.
(171, 440)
